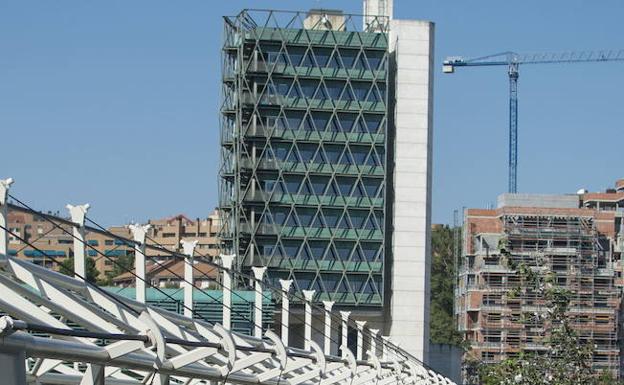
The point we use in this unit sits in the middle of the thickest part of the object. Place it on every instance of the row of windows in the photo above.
(326, 121)
(324, 218)
(325, 185)
(323, 57)
(324, 250)
(327, 154)
(327, 90)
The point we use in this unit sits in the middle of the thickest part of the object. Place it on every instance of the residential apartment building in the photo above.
(54, 243)
(576, 239)
(326, 158)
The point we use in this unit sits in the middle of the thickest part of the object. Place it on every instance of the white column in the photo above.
(327, 341)
(411, 46)
(5, 185)
(77, 214)
(138, 233)
(360, 338)
(373, 341)
(226, 262)
(345, 327)
(188, 248)
(285, 283)
(309, 296)
(259, 275)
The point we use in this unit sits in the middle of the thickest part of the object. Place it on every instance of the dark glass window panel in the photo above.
(307, 151)
(295, 91)
(320, 120)
(334, 88)
(281, 150)
(318, 249)
(333, 189)
(347, 94)
(346, 121)
(294, 119)
(319, 184)
(291, 248)
(308, 124)
(292, 183)
(343, 286)
(374, 123)
(371, 250)
(292, 220)
(306, 216)
(333, 152)
(381, 153)
(281, 86)
(344, 250)
(369, 288)
(348, 56)
(357, 218)
(357, 282)
(278, 216)
(332, 216)
(379, 216)
(331, 281)
(370, 223)
(371, 186)
(361, 63)
(296, 55)
(359, 153)
(308, 60)
(334, 61)
(304, 280)
(346, 158)
(334, 125)
(293, 156)
(360, 90)
(305, 253)
(345, 184)
(305, 189)
(358, 191)
(375, 59)
(308, 87)
(322, 56)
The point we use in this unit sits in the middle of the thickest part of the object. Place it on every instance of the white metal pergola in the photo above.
(63, 330)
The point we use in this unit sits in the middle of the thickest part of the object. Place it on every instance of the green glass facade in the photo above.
(303, 152)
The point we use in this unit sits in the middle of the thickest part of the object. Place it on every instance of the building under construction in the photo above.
(577, 240)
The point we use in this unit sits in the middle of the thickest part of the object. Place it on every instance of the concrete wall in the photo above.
(446, 360)
(408, 270)
(538, 200)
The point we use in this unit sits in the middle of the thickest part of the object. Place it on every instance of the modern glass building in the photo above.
(304, 150)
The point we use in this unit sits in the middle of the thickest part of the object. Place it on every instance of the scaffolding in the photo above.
(501, 321)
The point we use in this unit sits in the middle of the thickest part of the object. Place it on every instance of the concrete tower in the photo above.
(409, 196)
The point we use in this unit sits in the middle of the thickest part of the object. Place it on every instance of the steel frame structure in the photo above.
(303, 151)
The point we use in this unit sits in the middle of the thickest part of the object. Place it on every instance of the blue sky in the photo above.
(116, 103)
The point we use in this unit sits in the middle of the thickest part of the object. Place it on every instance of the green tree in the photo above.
(442, 327)
(67, 268)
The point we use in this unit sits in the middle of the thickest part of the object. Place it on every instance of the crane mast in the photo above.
(513, 128)
(513, 60)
